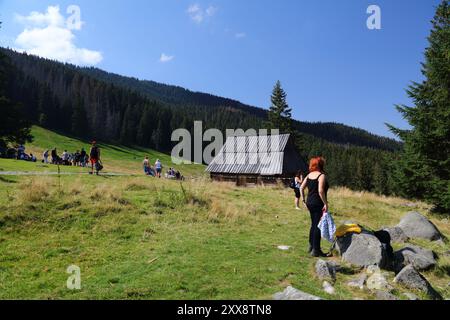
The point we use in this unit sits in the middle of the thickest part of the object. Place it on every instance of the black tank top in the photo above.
(314, 199)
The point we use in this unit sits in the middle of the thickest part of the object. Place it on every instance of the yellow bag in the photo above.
(347, 228)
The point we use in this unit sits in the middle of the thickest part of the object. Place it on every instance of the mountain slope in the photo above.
(214, 111)
(174, 95)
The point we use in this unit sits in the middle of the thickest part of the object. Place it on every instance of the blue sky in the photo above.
(331, 65)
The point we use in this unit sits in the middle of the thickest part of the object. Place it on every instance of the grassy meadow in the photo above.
(116, 159)
(136, 237)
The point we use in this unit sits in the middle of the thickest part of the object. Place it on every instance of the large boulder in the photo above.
(415, 225)
(362, 250)
(291, 293)
(325, 270)
(397, 234)
(419, 258)
(412, 279)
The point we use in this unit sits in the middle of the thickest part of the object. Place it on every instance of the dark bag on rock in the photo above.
(385, 239)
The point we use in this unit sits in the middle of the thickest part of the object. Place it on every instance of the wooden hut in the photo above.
(257, 159)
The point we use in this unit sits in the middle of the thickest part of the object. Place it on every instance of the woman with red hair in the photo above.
(316, 203)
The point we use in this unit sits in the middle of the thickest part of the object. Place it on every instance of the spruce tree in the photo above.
(280, 114)
(423, 169)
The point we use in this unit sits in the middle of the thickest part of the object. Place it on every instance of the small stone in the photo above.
(377, 281)
(383, 295)
(325, 270)
(372, 270)
(328, 288)
(411, 296)
(284, 248)
(291, 293)
(358, 282)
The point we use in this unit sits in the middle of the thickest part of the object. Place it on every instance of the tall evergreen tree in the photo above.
(280, 114)
(423, 170)
(13, 126)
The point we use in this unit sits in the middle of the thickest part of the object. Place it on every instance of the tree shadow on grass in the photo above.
(2, 179)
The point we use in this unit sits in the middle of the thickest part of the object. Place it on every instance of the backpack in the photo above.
(98, 166)
(293, 184)
(345, 229)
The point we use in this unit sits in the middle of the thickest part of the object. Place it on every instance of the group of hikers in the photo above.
(156, 170)
(21, 155)
(78, 158)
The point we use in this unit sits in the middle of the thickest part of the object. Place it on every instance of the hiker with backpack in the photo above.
(94, 156)
(295, 184)
(316, 203)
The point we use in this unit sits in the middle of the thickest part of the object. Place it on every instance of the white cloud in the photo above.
(198, 14)
(47, 35)
(211, 11)
(165, 58)
(240, 35)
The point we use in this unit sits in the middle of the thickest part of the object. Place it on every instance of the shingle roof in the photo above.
(262, 155)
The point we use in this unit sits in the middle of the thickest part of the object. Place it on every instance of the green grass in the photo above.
(142, 238)
(119, 159)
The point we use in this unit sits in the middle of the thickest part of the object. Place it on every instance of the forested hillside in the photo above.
(177, 96)
(94, 104)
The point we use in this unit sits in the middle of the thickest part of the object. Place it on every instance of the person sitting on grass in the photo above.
(152, 172)
(94, 156)
(171, 174)
(45, 156)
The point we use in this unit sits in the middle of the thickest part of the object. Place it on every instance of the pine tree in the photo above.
(280, 114)
(79, 123)
(423, 170)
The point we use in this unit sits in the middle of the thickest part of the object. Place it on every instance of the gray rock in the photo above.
(328, 288)
(377, 281)
(419, 258)
(411, 296)
(362, 250)
(397, 234)
(383, 295)
(416, 225)
(291, 293)
(412, 279)
(372, 270)
(325, 270)
(358, 282)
